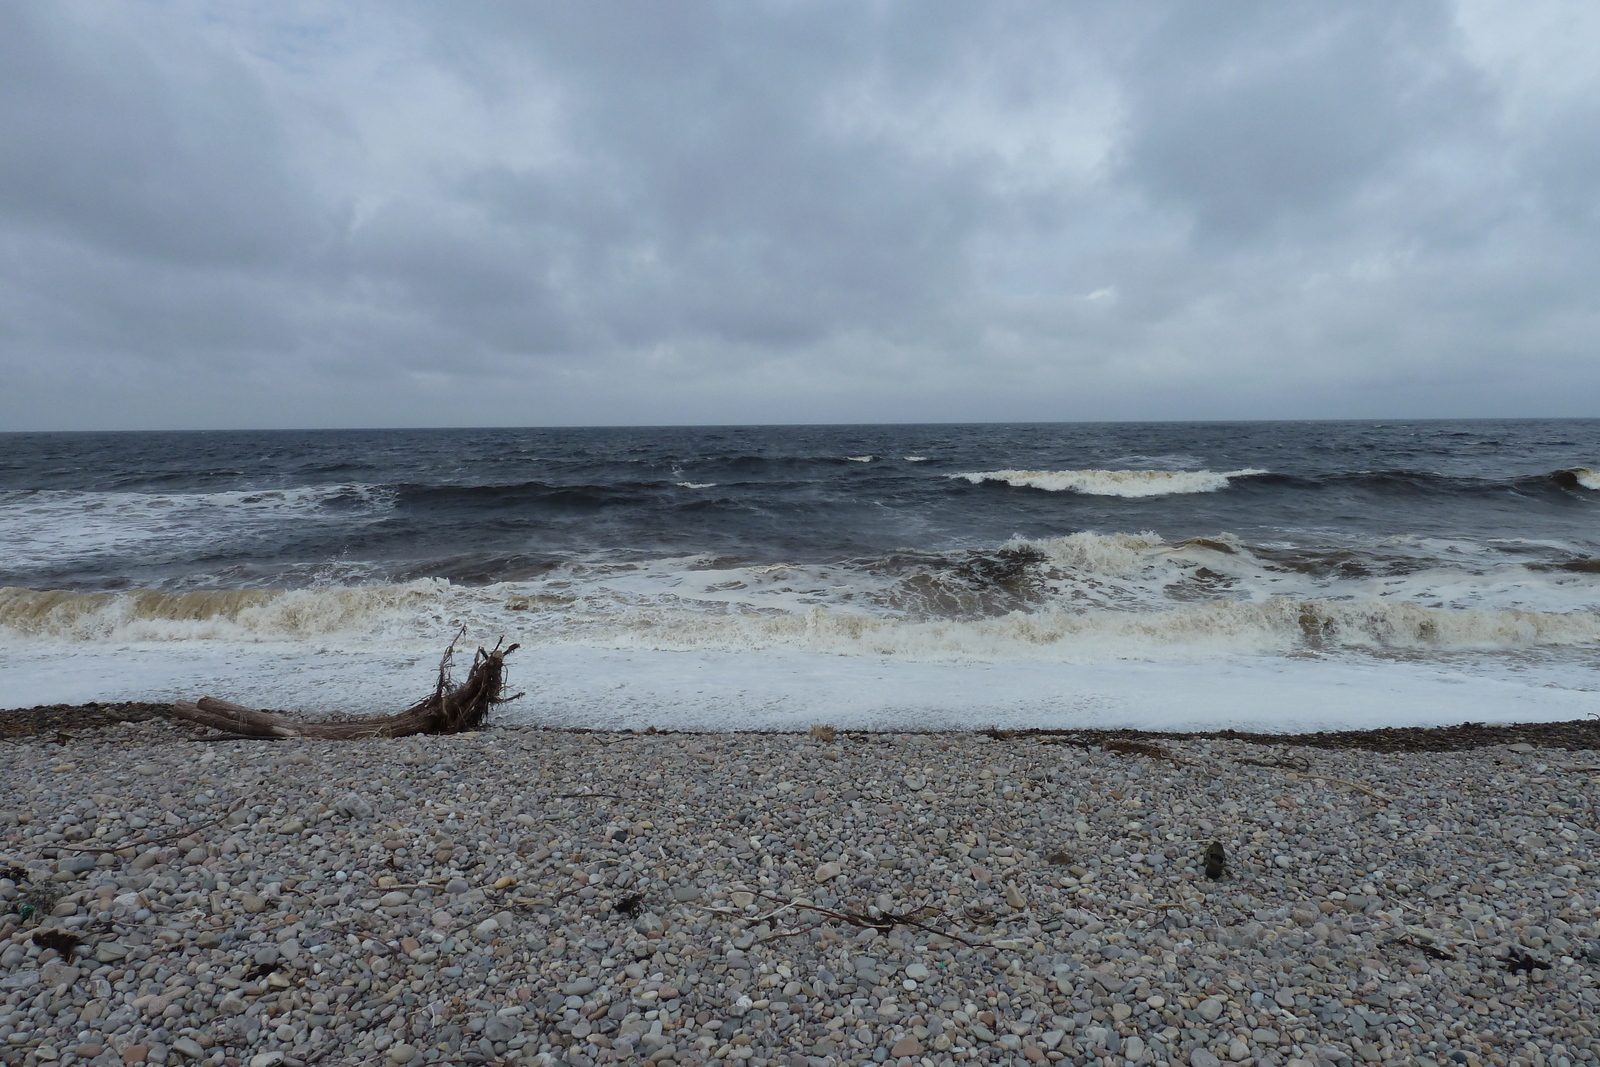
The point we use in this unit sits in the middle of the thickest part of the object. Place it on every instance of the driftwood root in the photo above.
(447, 710)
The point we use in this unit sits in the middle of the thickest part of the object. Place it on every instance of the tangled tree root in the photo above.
(447, 710)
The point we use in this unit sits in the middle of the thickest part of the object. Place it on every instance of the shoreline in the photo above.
(1465, 736)
(545, 897)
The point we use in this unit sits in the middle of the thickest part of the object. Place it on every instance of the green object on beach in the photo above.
(26, 911)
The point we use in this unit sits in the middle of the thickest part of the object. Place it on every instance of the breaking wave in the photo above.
(234, 615)
(1123, 483)
(412, 615)
(1278, 625)
(50, 525)
(1578, 477)
(1082, 596)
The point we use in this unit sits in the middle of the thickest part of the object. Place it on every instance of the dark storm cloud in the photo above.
(1253, 111)
(113, 146)
(396, 213)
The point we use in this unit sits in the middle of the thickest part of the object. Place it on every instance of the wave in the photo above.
(696, 485)
(861, 459)
(1279, 625)
(1147, 483)
(296, 500)
(1123, 483)
(42, 527)
(1064, 598)
(1577, 477)
(916, 459)
(1409, 482)
(412, 615)
(248, 615)
(523, 495)
(1433, 483)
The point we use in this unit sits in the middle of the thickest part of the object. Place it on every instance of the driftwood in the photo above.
(447, 710)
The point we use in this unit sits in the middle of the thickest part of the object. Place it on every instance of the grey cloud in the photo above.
(790, 212)
(173, 157)
(1250, 111)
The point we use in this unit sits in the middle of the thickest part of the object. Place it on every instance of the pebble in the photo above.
(542, 897)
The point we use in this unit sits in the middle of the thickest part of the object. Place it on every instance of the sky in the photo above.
(399, 213)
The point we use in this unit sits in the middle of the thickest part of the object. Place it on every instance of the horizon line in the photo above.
(811, 425)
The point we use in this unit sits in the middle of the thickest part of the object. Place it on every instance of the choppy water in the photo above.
(930, 556)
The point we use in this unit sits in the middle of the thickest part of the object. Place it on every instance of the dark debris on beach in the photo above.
(1571, 734)
(48, 719)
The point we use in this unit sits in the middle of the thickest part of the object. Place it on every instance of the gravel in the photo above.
(542, 897)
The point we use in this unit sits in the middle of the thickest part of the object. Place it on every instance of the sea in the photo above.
(1280, 576)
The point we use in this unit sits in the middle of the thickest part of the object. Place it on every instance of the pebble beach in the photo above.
(534, 896)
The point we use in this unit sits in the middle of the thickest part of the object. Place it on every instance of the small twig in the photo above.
(345, 924)
(1432, 951)
(1319, 777)
(885, 922)
(1344, 781)
(1142, 748)
(1299, 764)
(176, 835)
(1119, 745)
(1153, 907)
(773, 914)
(572, 796)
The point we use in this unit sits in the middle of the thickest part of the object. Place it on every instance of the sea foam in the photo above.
(1075, 598)
(1124, 483)
(52, 526)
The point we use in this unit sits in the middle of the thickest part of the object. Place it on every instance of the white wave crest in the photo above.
(695, 485)
(916, 459)
(49, 525)
(1129, 483)
(1083, 597)
(1589, 479)
(230, 615)
(861, 459)
(411, 616)
(1280, 625)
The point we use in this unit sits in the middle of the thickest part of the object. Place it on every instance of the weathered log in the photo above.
(447, 710)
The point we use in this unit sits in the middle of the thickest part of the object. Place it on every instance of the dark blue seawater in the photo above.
(86, 511)
(1271, 575)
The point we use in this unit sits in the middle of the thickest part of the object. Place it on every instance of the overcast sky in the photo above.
(371, 213)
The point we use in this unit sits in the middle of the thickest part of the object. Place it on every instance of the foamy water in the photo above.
(74, 527)
(869, 577)
(602, 688)
(1123, 483)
